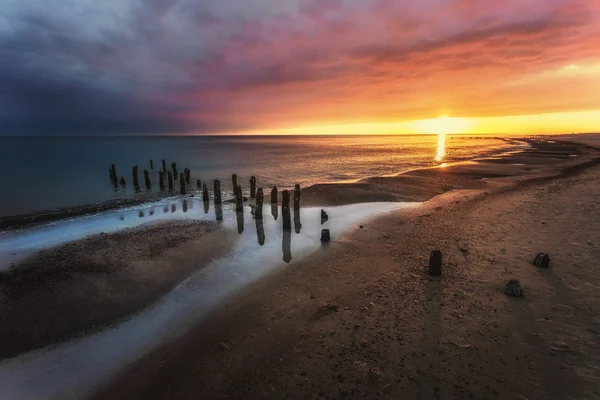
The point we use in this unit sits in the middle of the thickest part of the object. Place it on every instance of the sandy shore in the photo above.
(365, 321)
(361, 320)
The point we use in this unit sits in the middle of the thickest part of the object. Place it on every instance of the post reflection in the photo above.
(240, 221)
(260, 231)
(297, 223)
(184, 206)
(274, 211)
(173, 208)
(219, 212)
(286, 246)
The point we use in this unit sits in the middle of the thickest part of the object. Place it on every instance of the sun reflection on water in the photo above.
(441, 147)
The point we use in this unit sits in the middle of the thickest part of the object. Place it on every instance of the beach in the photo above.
(360, 318)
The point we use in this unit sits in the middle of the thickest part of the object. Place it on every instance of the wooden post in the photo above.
(182, 183)
(205, 197)
(217, 194)
(285, 210)
(325, 236)
(286, 246)
(174, 167)
(240, 221)
(113, 173)
(161, 180)
(198, 183)
(122, 182)
(234, 182)
(252, 187)
(170, 176)
(260, 231)
(435, 263)
(151, 164)
(239, 202)
(188, 176)
(258, 214)
(147, 179)
(136, 183)
(218, 212)
(297, 193)
(274, 195)
(164, 163)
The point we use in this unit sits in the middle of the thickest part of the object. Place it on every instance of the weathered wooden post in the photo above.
(285, 210)
(205, 197)
(274, 211)
(239, 202)
(188, 176)
(260, 231)
(297, 223)
(252, 187)
(435, 263)
(324, 217)
(274, 195)
(297, 193)
(217, 194)
(151, 164)
(122, 182)
(182, 183)
(161, 180)
(218, 212)
(136, 183)
(164, 164)
(113, 173)
(170, 176)
(325, 236)
(258, 214)
(174, 168)
(198, 183)
(234, 182)
(147, 179)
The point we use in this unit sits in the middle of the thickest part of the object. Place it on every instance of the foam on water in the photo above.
(75, 369)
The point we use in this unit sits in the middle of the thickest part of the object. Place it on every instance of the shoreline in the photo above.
(22, 221)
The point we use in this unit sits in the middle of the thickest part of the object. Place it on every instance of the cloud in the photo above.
(185, 65)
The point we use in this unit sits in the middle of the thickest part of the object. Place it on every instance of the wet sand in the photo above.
(361, 320)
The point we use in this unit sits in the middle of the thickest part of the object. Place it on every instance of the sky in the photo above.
(299, 66)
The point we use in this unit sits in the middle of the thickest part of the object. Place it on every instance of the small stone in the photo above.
(362, 226)
(513, 288)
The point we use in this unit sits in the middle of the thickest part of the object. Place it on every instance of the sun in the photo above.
(443, 125)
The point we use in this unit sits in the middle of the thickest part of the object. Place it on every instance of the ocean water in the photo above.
(43, 173)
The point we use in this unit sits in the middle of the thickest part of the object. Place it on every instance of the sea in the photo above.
(50, 173)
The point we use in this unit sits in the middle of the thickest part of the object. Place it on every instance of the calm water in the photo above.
(54, 172)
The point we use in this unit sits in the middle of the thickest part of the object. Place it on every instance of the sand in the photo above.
(363, 319)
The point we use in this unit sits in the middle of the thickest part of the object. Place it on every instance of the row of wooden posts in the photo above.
(185, 179)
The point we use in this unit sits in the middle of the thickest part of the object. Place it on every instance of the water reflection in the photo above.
(184, 206)
(286, 246)
(441, 147)
(260, 231)
(297, 223)
(219, 212)
(173, 208)
(240, 221)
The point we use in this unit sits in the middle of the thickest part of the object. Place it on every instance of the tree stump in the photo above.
(542, 260)
(435, 263)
